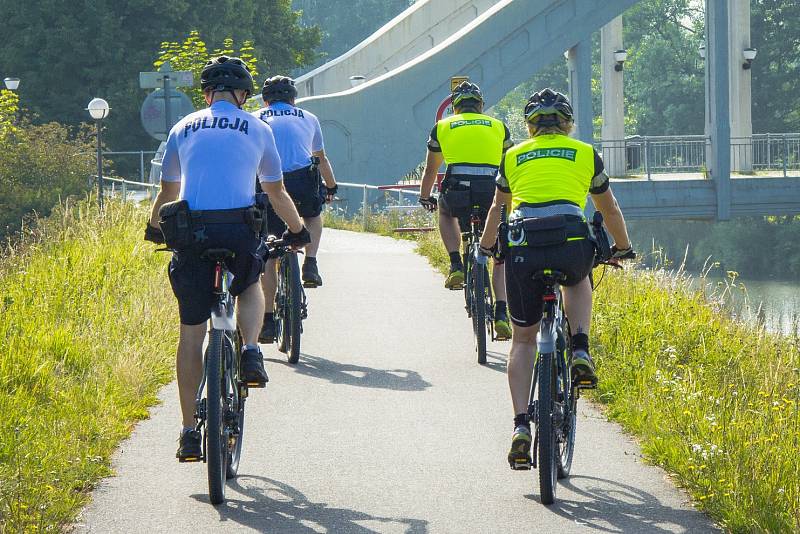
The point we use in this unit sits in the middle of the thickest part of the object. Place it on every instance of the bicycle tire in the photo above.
(546, 451)
(281, 330)
(479, 311)
(467, 262)
(566, 446)
(215, 435)
(235, 452)
(294, 304)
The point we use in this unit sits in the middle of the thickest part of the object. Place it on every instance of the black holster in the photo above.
(176, 224)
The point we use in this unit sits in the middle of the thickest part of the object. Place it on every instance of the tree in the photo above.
(66, 53)
(192, 55)
(775, 32)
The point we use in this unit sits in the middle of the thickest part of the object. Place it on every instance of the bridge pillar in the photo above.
(718, 74)
(613, 132)
(579, 59)
(741, 82)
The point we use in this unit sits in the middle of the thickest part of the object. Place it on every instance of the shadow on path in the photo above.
(272, 506)
(357, 375)
(610, 506)
(496, 361)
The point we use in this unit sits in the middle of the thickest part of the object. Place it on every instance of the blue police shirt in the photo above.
(215, 153)
(297, 133)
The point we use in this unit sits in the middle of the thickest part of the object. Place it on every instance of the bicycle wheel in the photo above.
(215, 435)
(546, 451)
(569, 408)
(479, 311)
(281, 308)
(238, 395)
(294, 303)
(467, 262)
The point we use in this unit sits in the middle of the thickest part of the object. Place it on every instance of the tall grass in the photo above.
(714, 401)
(87, 337)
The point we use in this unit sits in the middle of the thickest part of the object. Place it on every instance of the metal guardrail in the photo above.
(402, 194)
(143, 157)
(648, 155)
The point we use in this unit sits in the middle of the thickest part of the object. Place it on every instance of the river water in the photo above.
(776, 303)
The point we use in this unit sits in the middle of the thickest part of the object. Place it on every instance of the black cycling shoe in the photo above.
(253, 372)
(190, 447)
(268, 333)
(311, 277)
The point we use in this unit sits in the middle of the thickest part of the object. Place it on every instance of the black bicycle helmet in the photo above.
(464, 92)
(225, 73)
(549, 104)
(279, 89)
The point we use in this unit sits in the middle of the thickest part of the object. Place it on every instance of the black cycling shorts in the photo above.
(308, 192)
(192, 278)
(573, 258)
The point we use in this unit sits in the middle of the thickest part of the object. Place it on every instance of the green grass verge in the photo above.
(713, 401)
(84, 347)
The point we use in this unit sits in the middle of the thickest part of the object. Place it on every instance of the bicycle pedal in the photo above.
(459, 288)
(310, 285)
(255, 385)
(520, 465)
(190, 460)
(582, 383)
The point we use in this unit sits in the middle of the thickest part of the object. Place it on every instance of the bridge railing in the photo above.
(636, 156)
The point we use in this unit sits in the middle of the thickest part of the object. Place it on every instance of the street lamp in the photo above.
(620, 56)
(11, 83)
(98, 109)
(749, 55)
(702, 50)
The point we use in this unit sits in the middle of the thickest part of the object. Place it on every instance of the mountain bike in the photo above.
(291, 307)
(552, 407)
(220, 413)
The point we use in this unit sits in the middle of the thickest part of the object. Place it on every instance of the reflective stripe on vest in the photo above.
(549, 168)
(471, 138)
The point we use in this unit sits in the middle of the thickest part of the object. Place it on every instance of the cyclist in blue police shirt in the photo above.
(209, 163)
(308, 176)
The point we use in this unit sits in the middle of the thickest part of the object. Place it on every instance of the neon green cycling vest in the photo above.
(471, 138)
(549, 168)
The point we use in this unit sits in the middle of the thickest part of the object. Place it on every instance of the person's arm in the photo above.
(270, 176)
(282, 204)
(169, 191)
(606, 203)
(170, 179)
(502, 197)
(433, 162)
(489, 237)
(325, 169)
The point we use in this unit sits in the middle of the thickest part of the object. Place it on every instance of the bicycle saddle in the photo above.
(217, 254)
(550, 277)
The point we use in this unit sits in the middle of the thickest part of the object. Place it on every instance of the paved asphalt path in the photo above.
(387, 424)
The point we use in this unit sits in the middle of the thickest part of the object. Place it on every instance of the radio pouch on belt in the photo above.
(256, 216)
(176, 224)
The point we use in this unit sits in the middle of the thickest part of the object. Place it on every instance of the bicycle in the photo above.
(291, 307)
(220, 414)
(552, 406)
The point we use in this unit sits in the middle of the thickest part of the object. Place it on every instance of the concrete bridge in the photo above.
(377, 102)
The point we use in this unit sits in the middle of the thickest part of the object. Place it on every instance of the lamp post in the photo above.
(11, 83)
(98, 109)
